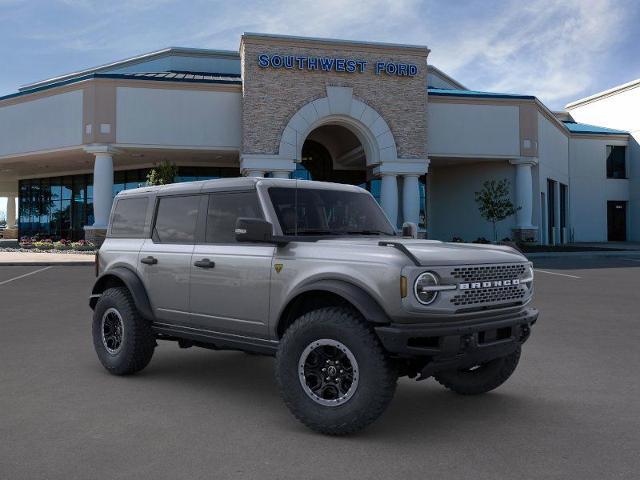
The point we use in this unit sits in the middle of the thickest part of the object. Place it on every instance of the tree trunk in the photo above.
(495, 233)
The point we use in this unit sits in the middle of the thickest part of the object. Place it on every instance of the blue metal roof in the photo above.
(444, 92)
(575, 127)
(188, 77)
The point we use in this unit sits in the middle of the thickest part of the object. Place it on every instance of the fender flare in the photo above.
(133, 283)
(357, 296)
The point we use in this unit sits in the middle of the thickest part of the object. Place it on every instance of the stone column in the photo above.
(280, 174)
(389, 196)
(411, 198)
(524, 198)
(102, 191)
(11, 212)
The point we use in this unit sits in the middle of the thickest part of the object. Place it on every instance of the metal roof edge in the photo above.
(605, 93)
(131, 61)
(124, 76)
(447, 77)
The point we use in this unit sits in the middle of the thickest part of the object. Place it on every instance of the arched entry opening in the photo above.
(334, 153)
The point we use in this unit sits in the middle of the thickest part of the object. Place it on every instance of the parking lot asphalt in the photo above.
(571, 410)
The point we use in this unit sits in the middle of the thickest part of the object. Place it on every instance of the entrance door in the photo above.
(230, 281)
(617, 221)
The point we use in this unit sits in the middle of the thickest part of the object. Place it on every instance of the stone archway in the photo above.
(339, 107)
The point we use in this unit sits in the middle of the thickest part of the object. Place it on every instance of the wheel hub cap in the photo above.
(328, 372)
(112, 331)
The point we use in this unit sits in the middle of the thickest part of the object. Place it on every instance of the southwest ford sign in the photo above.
(334, 64)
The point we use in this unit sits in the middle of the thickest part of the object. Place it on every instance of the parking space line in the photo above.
(632, 259)
(556, 273)
(25, 275)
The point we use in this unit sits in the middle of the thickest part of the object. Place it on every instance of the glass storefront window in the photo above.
(59, 207)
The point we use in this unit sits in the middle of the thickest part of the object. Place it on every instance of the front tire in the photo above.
(122, 339)
(482, 378)
(332, 372)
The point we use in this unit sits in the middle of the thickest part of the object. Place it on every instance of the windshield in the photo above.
(328, 212)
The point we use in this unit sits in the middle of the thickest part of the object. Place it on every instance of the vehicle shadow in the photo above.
(421, 410)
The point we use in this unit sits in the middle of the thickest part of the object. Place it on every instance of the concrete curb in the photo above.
(617, 253)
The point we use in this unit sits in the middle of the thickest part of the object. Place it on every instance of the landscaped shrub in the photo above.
(457, 240)
(62, 245)
(43, 244)
(83, 245)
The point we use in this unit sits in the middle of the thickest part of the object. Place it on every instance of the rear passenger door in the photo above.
(230, 280)
(165, 259)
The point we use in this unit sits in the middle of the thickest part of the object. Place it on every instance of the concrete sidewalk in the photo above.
(45, 259)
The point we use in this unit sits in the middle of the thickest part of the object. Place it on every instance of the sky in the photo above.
(557, 50)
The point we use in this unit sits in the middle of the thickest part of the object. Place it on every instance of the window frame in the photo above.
(625, 159)
(198, 233)
(205, 216)
(142, 234)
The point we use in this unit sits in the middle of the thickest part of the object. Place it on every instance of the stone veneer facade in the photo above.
(272, 96)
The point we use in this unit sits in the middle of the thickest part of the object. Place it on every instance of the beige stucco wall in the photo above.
(178, 117)
(49, 122)
(461, 129)
(272, 96)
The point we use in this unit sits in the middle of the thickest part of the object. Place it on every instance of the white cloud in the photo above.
(546, 48)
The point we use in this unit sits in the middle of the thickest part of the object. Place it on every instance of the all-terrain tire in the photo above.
(482, 379)
(137, 340)
(377, 376)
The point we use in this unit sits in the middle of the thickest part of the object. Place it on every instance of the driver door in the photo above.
(230, 281)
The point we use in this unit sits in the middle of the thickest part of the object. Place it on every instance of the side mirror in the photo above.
(410, 229)
(253, 230)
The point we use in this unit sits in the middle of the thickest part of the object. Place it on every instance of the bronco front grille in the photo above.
(489, 272)
(513, 293)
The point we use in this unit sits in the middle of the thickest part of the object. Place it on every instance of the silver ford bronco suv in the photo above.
(315, 274)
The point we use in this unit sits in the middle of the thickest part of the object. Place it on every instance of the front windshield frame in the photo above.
(354, 212)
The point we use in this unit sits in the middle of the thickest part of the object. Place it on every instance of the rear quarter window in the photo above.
(128, 217)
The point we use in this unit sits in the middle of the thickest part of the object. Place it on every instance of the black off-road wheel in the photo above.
(481, 378)
(122, 339)
(332, 372)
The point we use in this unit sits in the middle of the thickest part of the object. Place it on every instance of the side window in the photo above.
(176, 219)
(224, 210)
(128, 217)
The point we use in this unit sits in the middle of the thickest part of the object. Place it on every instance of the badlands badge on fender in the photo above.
(278, 267)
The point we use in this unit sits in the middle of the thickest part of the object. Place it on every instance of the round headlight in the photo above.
(423, 288)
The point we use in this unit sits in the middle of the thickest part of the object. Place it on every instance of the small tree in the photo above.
(162, 174)
(494, 203)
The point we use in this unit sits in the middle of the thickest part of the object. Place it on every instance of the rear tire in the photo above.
(361, 379)
(481, 379)
(122, 339)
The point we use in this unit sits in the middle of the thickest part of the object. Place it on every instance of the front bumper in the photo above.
(458, 344)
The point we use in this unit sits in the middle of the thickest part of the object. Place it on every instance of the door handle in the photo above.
(204, 263)
(149, 260)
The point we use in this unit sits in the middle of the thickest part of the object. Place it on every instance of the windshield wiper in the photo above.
(367, 232)
(311, 231)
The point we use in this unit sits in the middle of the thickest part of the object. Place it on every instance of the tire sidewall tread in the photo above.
(377, 374)
(139, 341)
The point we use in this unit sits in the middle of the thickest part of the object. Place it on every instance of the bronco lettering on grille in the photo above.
(494, 283)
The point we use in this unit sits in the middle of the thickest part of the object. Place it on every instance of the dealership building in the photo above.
(370, 114)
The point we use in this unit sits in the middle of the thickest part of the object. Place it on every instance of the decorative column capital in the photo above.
(403, 166)
(97, 149)
(524, 161)
(251, 162)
